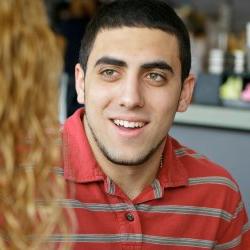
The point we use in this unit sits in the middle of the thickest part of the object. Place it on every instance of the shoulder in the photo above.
(197, 164)
(206, 177)
(208, 182)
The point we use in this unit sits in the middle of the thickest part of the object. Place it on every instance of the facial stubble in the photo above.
(107, 153)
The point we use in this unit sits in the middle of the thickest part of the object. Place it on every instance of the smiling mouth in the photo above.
(128, 124)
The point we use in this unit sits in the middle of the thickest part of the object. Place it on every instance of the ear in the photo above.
(186, 93)
(79, 78)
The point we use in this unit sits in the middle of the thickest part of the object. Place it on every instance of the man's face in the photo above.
(131, 90)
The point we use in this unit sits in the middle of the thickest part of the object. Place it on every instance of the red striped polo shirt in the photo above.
(192, 203)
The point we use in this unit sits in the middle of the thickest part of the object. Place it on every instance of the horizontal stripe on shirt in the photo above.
(235, 242)
(133, 238)
(192, 181)
(214, 180)
(122, 207)
(184, 152)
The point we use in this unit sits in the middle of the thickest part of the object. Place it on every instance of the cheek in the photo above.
(163, 101)
(96, 94)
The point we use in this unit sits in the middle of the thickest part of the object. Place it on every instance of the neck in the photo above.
(131, 179)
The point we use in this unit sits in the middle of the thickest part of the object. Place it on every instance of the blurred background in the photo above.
(218, 122)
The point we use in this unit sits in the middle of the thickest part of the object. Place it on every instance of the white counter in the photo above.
(213, 116)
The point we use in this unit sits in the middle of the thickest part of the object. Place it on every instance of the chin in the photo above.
(126, 159)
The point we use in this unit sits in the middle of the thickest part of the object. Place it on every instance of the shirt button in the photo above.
(129, 217)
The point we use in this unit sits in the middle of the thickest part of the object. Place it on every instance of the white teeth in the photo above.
(128, 124)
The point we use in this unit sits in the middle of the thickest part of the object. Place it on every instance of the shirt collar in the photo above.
(172, 173)
(80, 164)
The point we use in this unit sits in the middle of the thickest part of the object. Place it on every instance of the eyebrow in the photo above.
(111, 61)
(158, 64)
(151, 65)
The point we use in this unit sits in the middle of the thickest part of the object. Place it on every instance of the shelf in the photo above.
(213, 116)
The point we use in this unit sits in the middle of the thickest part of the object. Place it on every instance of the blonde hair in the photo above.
(30, 65)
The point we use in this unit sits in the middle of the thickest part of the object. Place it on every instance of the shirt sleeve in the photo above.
(236, 234)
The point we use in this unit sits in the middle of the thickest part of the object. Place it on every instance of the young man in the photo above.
(135, 187)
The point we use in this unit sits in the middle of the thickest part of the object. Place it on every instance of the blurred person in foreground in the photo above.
(136, 187)
(30, 66)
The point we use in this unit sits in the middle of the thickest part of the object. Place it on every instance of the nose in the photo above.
(131, 93)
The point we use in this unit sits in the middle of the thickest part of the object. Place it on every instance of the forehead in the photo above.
(131, 43)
